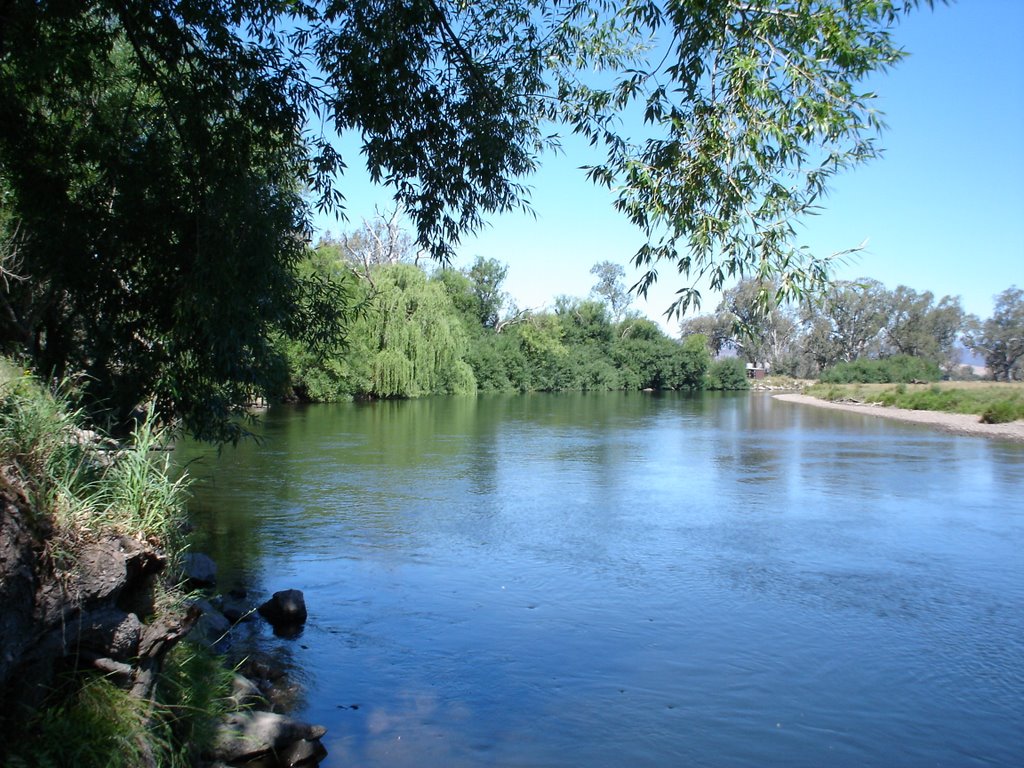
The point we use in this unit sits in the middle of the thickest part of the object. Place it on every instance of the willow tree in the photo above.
(415, 340)
(159, 160)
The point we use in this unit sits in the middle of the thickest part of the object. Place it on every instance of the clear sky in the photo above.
(943, 210)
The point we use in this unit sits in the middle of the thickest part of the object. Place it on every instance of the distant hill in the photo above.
(969, 357)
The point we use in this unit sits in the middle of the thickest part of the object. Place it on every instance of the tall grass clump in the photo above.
(1002, 411)
(196, 690)
(136, 494)
(42, 446)
(98, 725)
(84, 482)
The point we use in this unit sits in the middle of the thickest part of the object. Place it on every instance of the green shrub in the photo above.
(899, 368)
(727, 374)
(1002, 411)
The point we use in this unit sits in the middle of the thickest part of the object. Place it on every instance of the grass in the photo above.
(83, 482)
(98, 725)
(994, 402)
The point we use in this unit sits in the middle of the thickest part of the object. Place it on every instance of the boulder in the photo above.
(236, 610)
(200, 570)
(245, 736)
(110, 632)
(19, 581)
(286, 609)
(212, 627)
(302, 752)
(244, 693)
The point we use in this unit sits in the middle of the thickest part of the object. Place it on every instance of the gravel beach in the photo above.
(964, 424)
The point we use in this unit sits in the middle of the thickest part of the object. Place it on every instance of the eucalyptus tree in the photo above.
(749, 321)
(486, 278)
(765, 333)
(611, 287)
(847, 322)
(1000, 339)
(379, 241)
(718, 330)
(919, 326)
(161, 160)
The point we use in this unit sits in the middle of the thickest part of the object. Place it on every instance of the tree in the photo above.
(409, 342)
(611, 288)
(650, 359)
(377, 242)
(728, 373)
(159, 160)
(1001, 337)
(486, 278)
(755, 110)
(764, 332)
(748, 320)
(584, 322)
(718, 330)
(919, 327)
(846, 323)
(159, 225)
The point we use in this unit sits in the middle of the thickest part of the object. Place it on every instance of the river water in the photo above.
(634, 580)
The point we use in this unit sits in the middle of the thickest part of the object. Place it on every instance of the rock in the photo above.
(213, 628)
(262, 666)
(111, 632)
(157, 638)
(286, 609)
(236, 610)
(245, 693)
(302, 752)
(248, 735)
(103, 570)
(200, 570)
(271, 674)
(19, 582)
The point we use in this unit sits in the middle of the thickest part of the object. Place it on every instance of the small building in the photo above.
(753, 372)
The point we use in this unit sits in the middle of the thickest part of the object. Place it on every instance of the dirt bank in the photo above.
(959, 423)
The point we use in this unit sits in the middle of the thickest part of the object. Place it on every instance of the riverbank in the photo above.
(959, 423)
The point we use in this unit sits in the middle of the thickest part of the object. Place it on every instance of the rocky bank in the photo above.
(92, 603)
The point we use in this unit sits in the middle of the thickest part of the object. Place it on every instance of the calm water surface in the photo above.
(634, 580)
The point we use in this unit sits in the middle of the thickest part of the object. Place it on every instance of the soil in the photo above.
(959, 423)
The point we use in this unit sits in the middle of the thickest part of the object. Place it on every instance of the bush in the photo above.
(899, 368)
(1001, 412)
(727, 374)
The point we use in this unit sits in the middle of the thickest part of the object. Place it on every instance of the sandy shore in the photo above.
(951, 422)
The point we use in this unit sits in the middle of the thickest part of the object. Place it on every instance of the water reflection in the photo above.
(636, 579)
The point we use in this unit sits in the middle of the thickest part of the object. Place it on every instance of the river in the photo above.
(633, 580)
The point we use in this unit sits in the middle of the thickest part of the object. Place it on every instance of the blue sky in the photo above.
(943, 210)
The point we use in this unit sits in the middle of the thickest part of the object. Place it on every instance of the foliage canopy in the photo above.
(159, 161)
